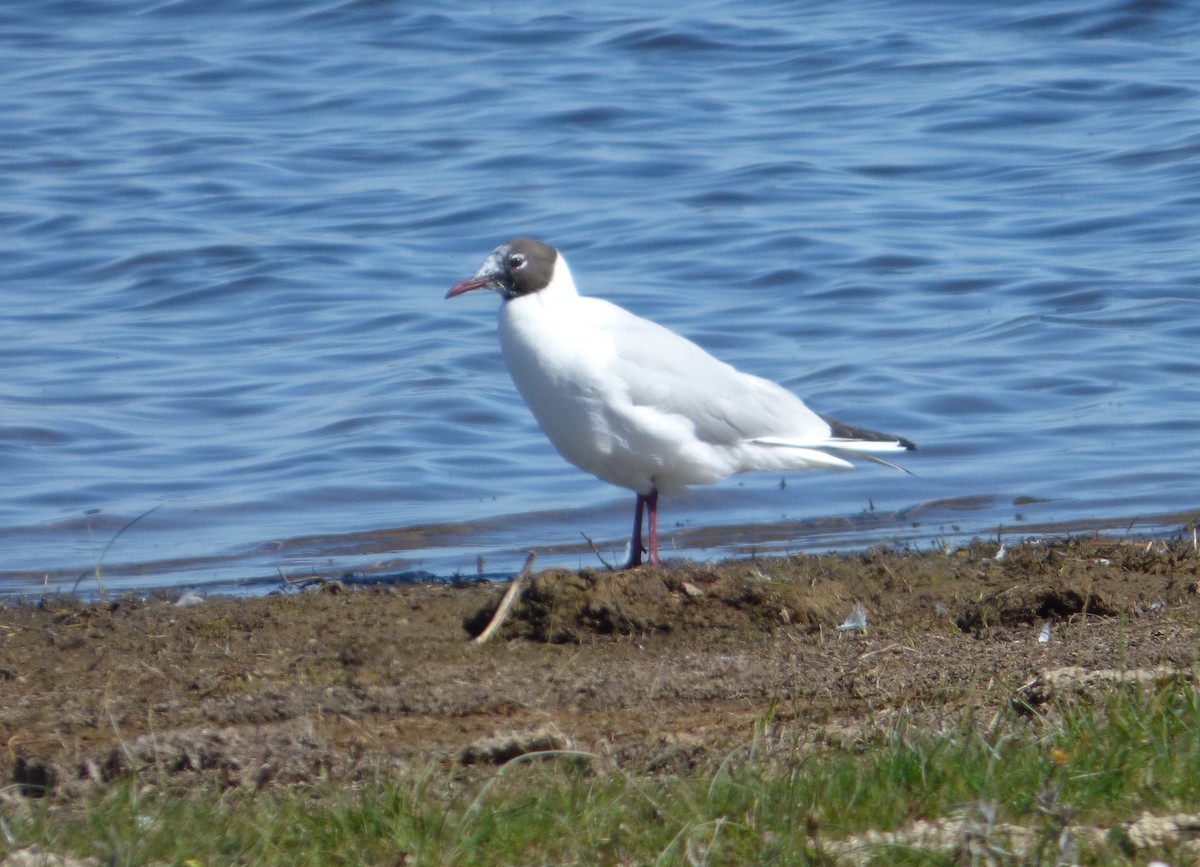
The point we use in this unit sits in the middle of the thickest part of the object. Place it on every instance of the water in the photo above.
(227, 229)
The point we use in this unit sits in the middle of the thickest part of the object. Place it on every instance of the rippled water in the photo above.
(228, 229)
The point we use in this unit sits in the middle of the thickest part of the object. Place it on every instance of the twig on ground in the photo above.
(596, 551)
(506, 603)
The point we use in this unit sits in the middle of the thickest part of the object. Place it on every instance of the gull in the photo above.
(641, 407)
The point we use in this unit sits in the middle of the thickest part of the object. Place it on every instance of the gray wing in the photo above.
(673, 375)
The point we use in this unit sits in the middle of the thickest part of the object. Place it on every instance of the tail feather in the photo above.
(875, 459)
(863, 437)
(816, 454)
(846, 440)
(856, 446)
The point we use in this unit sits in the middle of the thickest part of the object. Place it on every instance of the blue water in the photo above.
(226, 230)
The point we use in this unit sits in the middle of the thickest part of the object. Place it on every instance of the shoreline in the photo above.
(652, 669)
(60, 653)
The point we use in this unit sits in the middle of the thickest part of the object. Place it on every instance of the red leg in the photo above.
(652, 524)
(647, 504)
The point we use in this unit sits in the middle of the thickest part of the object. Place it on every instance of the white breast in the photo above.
(560, 358)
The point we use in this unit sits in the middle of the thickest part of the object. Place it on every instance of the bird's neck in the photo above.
(560, 289)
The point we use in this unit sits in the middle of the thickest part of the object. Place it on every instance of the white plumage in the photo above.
(636, 404)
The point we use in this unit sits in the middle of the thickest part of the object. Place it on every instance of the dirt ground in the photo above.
(656, 669)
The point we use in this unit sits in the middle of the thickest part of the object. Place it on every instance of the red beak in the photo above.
(468, 285)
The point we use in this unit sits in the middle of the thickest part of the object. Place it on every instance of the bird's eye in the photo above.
(515, 261)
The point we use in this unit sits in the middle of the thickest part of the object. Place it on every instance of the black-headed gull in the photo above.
(638, 405)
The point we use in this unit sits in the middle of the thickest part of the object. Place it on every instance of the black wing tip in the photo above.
(854, 432)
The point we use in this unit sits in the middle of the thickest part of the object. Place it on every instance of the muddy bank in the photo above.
(655, 669)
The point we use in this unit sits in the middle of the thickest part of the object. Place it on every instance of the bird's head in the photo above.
(520, 267)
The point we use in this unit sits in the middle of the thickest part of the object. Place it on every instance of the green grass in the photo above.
(786, 797)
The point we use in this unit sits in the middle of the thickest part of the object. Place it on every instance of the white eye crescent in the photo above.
(515, 261)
